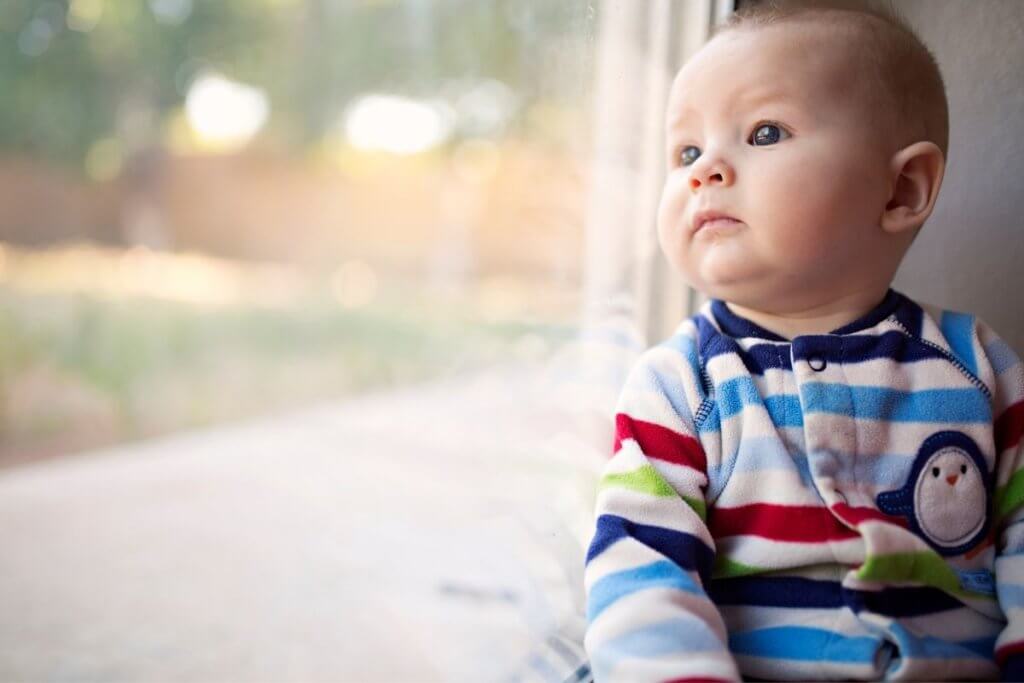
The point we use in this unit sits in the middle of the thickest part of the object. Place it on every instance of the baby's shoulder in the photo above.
(672, 368)
(970, 340)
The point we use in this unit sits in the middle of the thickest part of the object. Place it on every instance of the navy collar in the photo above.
(737, 327)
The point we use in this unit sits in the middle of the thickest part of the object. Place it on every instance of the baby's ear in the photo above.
(916, 175)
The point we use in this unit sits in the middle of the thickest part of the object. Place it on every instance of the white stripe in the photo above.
(783, 487)
(645, 608)
(748, 617)
(762, 552)
(954, 625)
(629, 554)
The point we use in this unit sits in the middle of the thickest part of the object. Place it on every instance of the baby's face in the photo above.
(766, 127)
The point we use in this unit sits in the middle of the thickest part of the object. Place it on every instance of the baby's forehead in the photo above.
(785, 62)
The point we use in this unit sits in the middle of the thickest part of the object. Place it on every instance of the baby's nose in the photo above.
(709, 179)
(711, 170)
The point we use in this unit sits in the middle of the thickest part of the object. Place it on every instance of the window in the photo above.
(385, 262)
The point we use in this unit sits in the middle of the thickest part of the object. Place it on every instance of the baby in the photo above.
(815, 477)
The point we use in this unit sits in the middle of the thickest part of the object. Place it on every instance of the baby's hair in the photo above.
(905, 78)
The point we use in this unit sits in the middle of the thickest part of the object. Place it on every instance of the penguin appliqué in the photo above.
(947, 495)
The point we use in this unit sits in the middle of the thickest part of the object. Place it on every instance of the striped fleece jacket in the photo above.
(846, 505)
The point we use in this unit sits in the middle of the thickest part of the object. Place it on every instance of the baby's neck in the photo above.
(814, 319)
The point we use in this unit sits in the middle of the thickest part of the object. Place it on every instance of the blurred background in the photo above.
(313, 314)
(217, 209)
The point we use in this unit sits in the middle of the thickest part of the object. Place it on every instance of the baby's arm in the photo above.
(1008, 412)
(649, 617)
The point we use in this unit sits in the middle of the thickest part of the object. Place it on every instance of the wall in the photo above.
(970, 255)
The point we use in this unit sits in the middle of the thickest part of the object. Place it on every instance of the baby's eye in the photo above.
(688, 155)
(767, 134)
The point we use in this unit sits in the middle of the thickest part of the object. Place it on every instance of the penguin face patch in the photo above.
(950, 497)
(946, 496)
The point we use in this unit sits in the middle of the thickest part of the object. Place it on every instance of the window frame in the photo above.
(640, 47)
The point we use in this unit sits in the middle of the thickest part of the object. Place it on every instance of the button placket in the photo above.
(829, 430)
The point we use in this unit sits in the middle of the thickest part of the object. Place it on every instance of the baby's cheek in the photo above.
(671, 216)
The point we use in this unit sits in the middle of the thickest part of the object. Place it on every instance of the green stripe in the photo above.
(924, 567)
(1009, 497)
(698, 506)
(646, 479)
(727, 569)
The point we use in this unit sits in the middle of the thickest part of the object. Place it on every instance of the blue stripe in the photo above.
(776, 592)
(712, 422)
(800, 593)
(684, 635)
(687, 551)
(930, 647)
(784, 410)
(1001, 356)
(959, 331)
(876, 468)
(669, 385)
(910, 316)
(769, 453)
(893, 345)
(737, 326)
(733, 395)
(760, 453)
(1010, 595)
(892, 405)
(761, 357)
(908, 313)
(687, 348)
(804, 644)
(757, 359)
(661, 574)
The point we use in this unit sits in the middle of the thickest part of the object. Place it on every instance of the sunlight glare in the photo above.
(225, 114)
(397, 124)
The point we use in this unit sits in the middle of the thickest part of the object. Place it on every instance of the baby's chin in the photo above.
(735, 285)
(749, 293)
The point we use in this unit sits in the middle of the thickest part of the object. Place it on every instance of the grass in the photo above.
(81, 368)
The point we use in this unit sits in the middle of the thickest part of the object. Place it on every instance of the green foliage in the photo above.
(160, 366)
(64, 89)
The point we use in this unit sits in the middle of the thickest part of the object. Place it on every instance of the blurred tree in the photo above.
(74, 73)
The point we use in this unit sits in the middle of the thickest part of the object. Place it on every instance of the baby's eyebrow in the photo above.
(749, 99)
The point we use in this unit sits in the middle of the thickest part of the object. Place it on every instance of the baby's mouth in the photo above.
(713, 222)
(711, 219)
(717, 223)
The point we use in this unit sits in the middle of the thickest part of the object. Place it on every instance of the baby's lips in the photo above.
(701, 218)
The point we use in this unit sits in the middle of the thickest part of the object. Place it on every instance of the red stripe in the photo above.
(855, 515)
(1009, 427)
(660, 443)
(1009, 650)
(799, 523)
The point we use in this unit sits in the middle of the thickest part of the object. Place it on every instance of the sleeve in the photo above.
(648, 615)
(1008, 414)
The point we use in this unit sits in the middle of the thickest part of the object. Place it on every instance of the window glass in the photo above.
(219, 210)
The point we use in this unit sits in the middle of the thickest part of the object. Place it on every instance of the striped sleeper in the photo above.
(837, 506)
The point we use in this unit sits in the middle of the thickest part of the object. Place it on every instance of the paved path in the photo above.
(430, 534)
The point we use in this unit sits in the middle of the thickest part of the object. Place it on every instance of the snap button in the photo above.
(817, 363)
